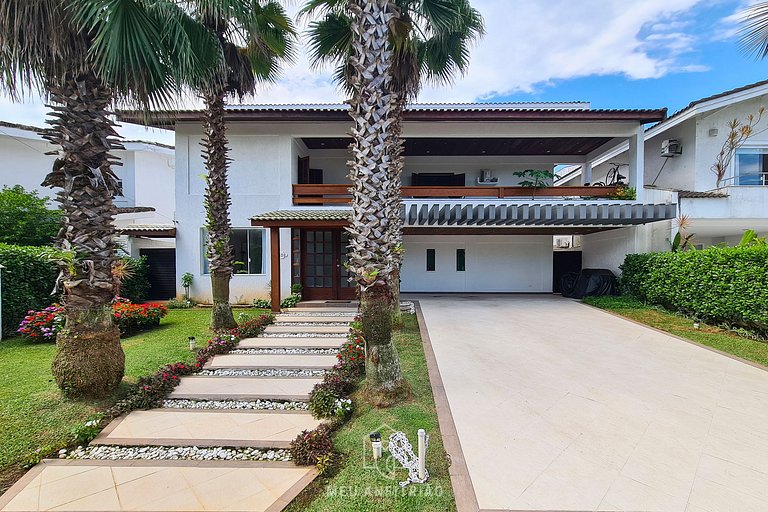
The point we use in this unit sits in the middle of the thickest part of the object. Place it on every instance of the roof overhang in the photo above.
(149, 230)
(445, 113)
(575, 217)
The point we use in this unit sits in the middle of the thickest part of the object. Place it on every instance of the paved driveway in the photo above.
(559, 406)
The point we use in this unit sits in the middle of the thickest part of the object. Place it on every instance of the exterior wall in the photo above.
(260, 178)
(503, 263)
(23, 160)
(607, 249)
(154, 177)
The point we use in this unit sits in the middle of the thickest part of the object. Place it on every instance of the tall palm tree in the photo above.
(429, 40)
(84, 56)
(370, 243)
(754, 31)
(256, 37)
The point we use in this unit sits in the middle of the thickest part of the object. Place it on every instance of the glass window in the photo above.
(460, 260)
(247, 247)
(751, 167)
(430, 260)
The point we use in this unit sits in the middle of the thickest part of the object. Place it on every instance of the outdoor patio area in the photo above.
(559, 406)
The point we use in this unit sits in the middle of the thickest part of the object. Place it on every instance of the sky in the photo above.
(612, 53)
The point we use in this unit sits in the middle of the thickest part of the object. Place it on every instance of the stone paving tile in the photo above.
(244, 388)
(162, 427)
(283, 342)
(245, 361)
(192, 486)
(318, 329)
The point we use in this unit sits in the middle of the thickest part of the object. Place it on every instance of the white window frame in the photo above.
(203, 249)
(747, 149)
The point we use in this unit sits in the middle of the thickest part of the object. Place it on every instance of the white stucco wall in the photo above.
(23, 162)
(607, 249)
(503, 263)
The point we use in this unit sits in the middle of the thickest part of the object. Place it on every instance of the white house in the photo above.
(469, 226)
(680, 153)
(146, 210)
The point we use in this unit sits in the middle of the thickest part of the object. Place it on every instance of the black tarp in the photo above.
(590, 281)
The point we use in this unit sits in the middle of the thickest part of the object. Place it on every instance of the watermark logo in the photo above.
(386, 466)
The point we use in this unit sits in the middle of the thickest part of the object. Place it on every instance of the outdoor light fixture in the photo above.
(191, 340)
(376, 445)
(696, 324)
(422, 454)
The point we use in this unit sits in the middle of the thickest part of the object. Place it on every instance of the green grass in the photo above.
(34, 415)
(711, 336)
(353, 485)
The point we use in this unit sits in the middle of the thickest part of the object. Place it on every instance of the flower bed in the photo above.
(42, 326)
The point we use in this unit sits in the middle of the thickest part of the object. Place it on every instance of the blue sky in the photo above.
(613, 53)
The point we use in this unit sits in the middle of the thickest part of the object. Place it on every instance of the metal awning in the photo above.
(521, 215)
(149, 230)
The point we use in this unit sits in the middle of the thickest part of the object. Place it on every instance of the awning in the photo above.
(149, 230)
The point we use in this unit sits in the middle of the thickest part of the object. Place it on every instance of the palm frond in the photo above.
(754, 33)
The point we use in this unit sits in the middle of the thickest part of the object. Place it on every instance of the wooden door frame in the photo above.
(337, 292)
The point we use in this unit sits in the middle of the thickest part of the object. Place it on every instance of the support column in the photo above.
(586, 173)
(637, 162)
(274, 245)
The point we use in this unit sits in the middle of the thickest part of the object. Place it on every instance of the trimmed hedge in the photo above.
(28, 279)
(717, 285)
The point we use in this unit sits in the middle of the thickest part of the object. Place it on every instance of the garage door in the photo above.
(477, 263)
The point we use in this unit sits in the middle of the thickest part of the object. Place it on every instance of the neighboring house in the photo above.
(146, 210)
(715, 214)
(469, 225)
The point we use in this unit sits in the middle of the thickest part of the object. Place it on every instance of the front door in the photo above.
(324, 275)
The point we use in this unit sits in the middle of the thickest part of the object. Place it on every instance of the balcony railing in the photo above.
(339, 193)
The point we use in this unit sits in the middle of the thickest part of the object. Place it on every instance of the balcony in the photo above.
(338, 194)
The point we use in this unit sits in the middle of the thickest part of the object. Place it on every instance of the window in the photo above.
(460, 260)
(430, 260)
(248, 250)
(751, 167)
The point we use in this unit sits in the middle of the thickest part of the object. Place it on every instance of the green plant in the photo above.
(750, 238)
(322, 403)
(624, 193)
(324, 463)
(311, 445)
(290, 302)
(717, 284)
(186, 283)
(27, 282)
(85, 433)
(174, 303)
(262, 303)
(135, 287)
(535, 179)
(296, 289)
(738, 134)
(26, 217)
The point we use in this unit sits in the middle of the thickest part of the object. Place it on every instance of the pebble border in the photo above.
(286, 351)
(235, 404)
(263, 372)
(111, 452)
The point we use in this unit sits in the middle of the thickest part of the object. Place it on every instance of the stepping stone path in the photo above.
(220, 481)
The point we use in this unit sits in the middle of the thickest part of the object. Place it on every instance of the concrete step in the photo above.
(199, 427)
(283, 342)
(332, 304)
(209, 387)
(173, 485)
(308, 319)
(307, 329)
(280, 361)
(320, 311)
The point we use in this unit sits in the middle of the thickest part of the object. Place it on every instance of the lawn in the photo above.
(358, 485)
(711, 336)
(34, 415)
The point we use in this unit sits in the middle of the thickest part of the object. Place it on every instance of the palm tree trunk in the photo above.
(370, 243)
(89, 359)
(217, 201)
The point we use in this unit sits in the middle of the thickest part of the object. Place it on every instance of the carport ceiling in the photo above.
(516, 146)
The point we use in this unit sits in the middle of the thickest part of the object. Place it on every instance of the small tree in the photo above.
(26, 218)
(738, 133)
(535, 178)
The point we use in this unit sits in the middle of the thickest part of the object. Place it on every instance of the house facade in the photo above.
(146, 209)
(470, 222)
(680, 153)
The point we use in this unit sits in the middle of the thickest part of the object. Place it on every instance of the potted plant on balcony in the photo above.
(535, 179)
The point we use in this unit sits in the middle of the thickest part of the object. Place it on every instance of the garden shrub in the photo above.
(28, 280)
(131, 318)
(252, 327)
(26, 218)
(175, 303)
(312, 446)
(322, 403)
(718, 285)
(262, 303)
(136, 287)
(42, 326)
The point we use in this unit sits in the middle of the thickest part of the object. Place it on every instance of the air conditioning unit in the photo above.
(487, 178)
(671, 148)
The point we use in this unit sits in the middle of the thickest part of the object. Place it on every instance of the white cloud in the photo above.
(528, 44)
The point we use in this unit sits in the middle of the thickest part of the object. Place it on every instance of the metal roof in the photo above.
(692, 194)
(149, 230)
(420, 107)
(303, 215)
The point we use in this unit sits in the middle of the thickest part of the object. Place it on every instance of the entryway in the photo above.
(324, 275)
(161, 272)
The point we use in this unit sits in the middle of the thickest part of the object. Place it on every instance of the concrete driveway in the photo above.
(559, 406)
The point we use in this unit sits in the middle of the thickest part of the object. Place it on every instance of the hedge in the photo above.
(718, 284)
(27, 282)
(136, 288)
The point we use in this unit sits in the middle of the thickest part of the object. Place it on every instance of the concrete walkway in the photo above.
(562, 407)
(191, 485)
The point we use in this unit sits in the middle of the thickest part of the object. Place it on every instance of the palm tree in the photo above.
(255, 37)
(429, 40)
(754, 32)
(84, 56)
(370, 241)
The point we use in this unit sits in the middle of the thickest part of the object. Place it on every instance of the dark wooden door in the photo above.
(161, 272)
(324, 275)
